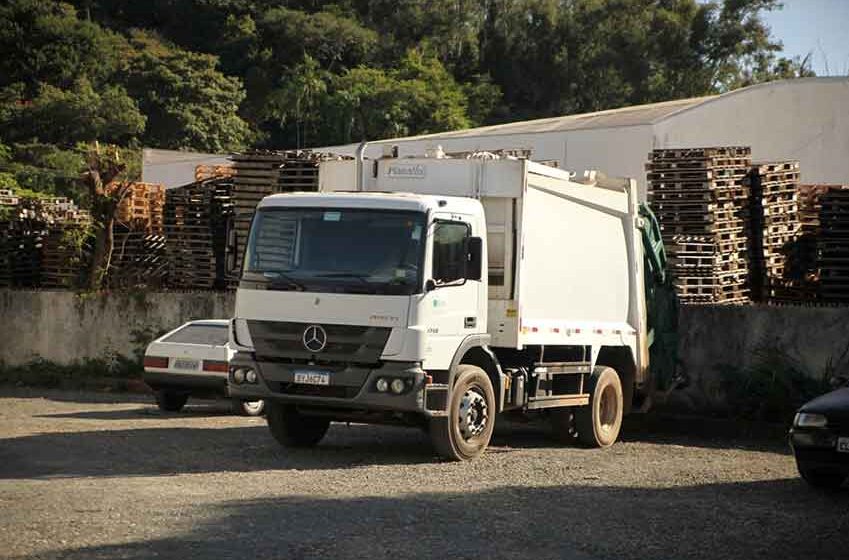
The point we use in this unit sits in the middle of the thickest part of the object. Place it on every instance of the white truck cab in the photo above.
(444, 292)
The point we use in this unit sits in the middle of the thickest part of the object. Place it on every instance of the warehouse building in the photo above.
(804, 119)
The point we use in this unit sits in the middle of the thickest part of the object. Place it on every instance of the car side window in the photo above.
(450, 251)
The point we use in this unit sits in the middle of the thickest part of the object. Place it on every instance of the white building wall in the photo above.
(807, 120)
(173, 168)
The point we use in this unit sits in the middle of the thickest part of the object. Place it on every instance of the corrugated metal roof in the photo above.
(626, 116)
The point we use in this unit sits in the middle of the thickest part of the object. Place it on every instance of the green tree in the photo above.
(418, 97)
(45, 42)
(78, 114)
(187, 101)
(334, 41)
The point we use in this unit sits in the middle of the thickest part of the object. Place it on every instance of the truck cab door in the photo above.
(449, 308)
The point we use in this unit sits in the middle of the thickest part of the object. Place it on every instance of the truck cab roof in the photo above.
(372, 200)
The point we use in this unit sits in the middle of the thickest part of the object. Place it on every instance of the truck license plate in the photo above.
(182, 363)
(312, 377)
(843, 445)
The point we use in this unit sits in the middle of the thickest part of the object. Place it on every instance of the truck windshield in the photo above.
(337, 250)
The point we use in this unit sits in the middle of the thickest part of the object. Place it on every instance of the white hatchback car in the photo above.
(192, 360)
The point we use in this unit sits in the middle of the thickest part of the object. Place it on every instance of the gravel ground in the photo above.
(89, 476)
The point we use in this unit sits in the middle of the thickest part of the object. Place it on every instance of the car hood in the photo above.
(834, 405)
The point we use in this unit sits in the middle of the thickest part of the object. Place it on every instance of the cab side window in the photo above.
(450, 251)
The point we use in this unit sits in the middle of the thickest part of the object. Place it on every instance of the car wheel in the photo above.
(291, 428)
(822, 479)
(249, 408)
(170, 401)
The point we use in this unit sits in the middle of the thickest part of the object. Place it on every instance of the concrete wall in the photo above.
(816, 337)
(64, 327)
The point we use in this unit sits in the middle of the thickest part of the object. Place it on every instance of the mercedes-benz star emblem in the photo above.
(315, 338)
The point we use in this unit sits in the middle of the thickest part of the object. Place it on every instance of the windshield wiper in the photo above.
(275, 279)
(357, 275)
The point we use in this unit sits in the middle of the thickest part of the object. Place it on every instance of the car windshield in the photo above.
(337, 250)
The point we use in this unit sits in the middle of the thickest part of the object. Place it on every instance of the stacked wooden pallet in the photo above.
(261, 173)
(204, 172)
(196, 222)
(141, 206)
(138, 248)
(803, 265)
(774, 230)
(834, 244)
(701, 200)
(39, 242)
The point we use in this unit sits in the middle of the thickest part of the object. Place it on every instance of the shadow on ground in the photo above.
(248, 446)
(211, 408)
(180, 450)
(756, 520)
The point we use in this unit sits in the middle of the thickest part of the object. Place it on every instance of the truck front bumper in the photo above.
(350, 387)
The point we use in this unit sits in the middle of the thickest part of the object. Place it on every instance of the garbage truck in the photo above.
(442, 292)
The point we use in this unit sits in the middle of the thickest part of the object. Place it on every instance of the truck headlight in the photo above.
(810, 420)
(397, 386)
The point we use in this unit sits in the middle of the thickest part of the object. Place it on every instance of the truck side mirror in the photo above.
(231, 250)
(474, 258)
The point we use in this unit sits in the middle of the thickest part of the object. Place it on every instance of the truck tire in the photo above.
(465, 431)
(248, 408)
(291, 428)
(169, 401)
(598, 423)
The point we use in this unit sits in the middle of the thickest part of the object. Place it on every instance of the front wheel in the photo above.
(465, 431)
(599, 422)
(291, 428)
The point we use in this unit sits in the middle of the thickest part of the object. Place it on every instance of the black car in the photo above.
(820, 439)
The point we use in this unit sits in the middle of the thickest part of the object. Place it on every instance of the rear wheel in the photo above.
(249, 408)
(598, 423)
(822, 479)
(291, 428)
(466, 430)
(170, 401)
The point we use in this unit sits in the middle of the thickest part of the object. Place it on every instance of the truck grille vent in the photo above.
(346, 344)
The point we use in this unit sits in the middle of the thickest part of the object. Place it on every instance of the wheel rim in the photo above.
(608, 409)
(474, 413)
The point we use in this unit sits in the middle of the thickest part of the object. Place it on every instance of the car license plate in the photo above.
(182, 363)
(312, 377)
(843, 445)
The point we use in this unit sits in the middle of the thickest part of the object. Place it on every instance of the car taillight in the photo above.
(156, 362)
(215, 365)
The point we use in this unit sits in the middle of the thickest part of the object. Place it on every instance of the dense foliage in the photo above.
(219, 75)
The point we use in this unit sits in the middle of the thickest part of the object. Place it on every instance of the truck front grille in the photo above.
(346, 344)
